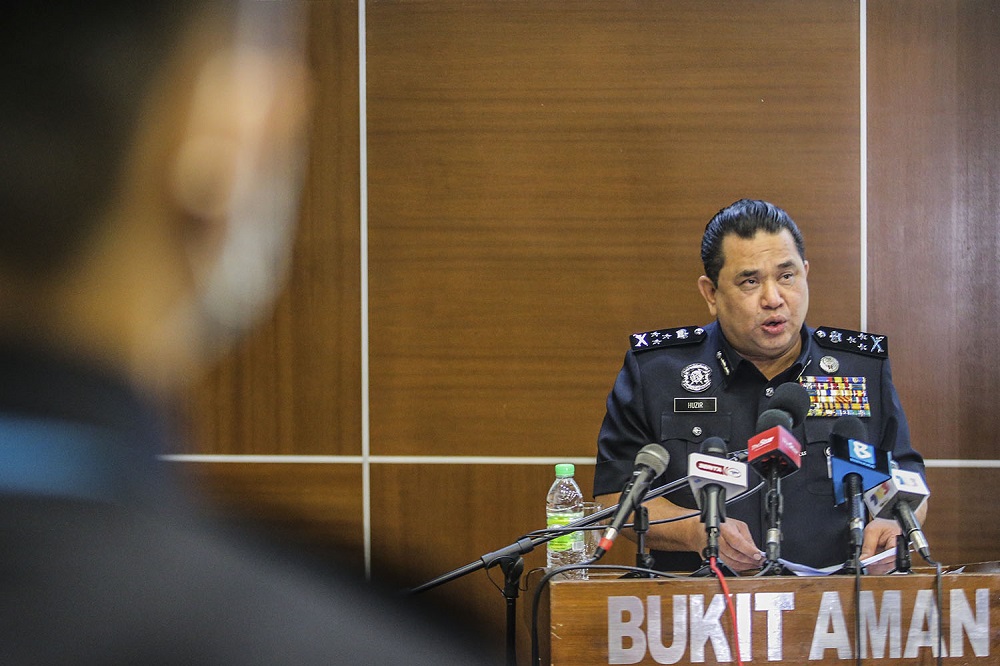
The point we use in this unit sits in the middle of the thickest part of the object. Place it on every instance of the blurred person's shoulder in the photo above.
(87, 582)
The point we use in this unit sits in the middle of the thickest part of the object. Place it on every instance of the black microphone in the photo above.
(855, 467)
(712, 477)
(792, 399)
(650, 463)
(898, 497)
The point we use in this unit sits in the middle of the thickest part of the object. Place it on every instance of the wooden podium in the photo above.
(785, 619)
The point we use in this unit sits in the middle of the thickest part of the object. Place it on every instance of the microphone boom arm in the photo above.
(527, 544)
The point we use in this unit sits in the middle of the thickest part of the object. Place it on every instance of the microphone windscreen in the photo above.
(770, 418)
(850, 427)
(714, 446)
(792, 398)
(655, 457)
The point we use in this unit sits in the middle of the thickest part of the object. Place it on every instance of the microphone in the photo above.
(650, 463)
(774, 446)
(775, 453)
(712, 477)
(899, 497)
(855, 467)
(792, 399)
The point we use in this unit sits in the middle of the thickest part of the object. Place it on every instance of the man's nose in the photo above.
(771, 295)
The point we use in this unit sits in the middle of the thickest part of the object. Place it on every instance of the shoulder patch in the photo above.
(856, 341)
(667, 337)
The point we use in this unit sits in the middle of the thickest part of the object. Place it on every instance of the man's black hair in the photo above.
(744, 218)
(75, 77)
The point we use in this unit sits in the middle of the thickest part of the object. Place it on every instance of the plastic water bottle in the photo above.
(563, 505)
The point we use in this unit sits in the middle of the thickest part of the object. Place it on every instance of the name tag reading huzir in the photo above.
(695, 404)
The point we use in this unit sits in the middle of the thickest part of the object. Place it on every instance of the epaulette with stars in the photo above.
(667, 337)
(856, 341)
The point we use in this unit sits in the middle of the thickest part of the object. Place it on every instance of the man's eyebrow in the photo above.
(750, 272)
(787, 264)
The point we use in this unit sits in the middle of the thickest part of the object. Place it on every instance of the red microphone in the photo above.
(775, 453)
(775, 448)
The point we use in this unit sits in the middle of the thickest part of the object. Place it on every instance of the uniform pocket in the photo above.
(693, 429)
(682, 435)
(815, 463)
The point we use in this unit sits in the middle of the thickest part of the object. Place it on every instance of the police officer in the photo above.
(679, 386)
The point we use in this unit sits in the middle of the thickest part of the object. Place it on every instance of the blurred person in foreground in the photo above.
(150, 168)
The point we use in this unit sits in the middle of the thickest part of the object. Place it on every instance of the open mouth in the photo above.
(774, 325)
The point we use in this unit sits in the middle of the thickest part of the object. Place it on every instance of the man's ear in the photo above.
(243, 140)
(206, 157)
(708, 289)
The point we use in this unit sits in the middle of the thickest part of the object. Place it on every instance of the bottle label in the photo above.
(571, 541)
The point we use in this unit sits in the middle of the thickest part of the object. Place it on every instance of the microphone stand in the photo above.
(512, 564)
(856, 525)
(903, 562)
(643, 559)
(713, 511)
(512, 570)
(775, 509)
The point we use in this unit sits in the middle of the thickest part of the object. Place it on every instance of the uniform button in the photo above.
(696, 431)
(769, 391)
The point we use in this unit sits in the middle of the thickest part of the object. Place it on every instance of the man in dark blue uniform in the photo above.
(679, 386)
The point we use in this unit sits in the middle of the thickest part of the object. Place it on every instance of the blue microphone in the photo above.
(855, 466)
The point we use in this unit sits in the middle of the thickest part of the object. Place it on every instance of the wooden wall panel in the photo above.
(934, 206)
(316, 507)
(540, 175)
(294, 385)
(934, 211)
(962, 525)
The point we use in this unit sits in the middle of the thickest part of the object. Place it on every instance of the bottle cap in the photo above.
(565, 469)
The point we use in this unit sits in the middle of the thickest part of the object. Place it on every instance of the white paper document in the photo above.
(803, 570)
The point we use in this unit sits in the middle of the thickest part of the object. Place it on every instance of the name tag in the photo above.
(695, 404)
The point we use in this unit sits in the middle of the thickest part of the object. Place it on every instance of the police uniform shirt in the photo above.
(680, 386)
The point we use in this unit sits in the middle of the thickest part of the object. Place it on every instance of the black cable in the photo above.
(857, 605)
(767, 567)
(489, 576)
(536, 599)
(940, 621)
(663, 521)
(939, 592)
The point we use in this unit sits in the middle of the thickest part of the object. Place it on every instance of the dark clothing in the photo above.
(102, 562)
(641, 409)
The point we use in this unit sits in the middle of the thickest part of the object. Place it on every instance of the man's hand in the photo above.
(736, 546)
(880, 535)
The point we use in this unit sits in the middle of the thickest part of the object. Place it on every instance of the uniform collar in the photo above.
(729, 360)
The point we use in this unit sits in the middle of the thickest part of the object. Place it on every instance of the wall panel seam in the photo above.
(957, 463)
(363, 249)
(863, 167)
